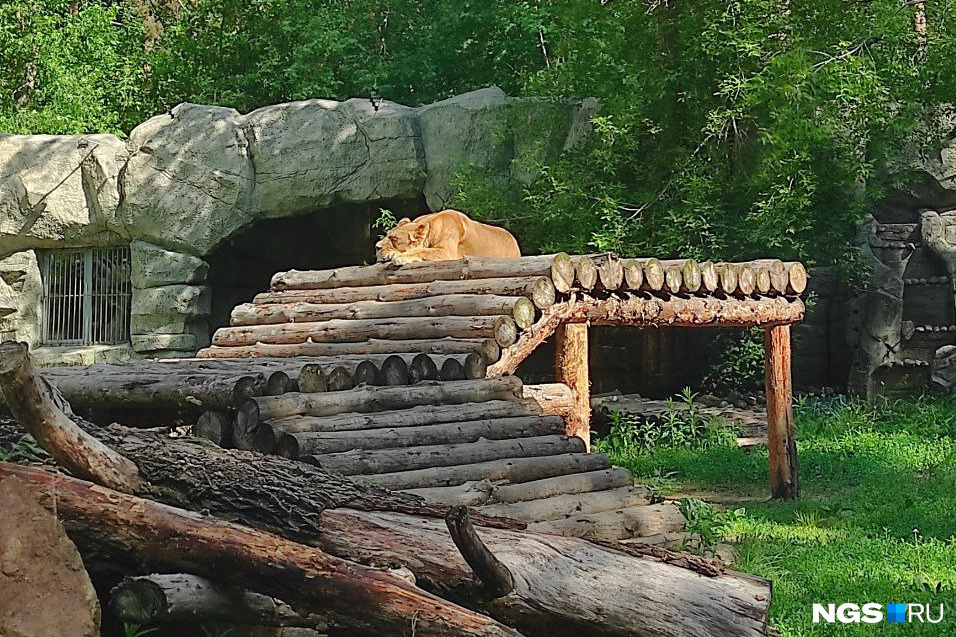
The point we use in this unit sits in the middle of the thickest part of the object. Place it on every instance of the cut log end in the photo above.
(423, 367)
(312, 379)
(523, 312)
(562, 272)
(506, 332)
(366, 373)
(214, 426)
(585, 273)
(394, 371)
(340, 379)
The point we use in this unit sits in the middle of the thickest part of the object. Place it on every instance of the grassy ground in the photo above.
(876, 521)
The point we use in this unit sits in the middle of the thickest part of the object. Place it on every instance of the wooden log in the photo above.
(471, 494)
(520, 308)
(180, 597)
(279, 382)
(558, 267)
(215, 426)
(395, 371)
(654, 276)
(502, 328)
(567, 505)
(539, 289)
(340, 379)
(761, 277)
(366, 373)
(555, 399)
(682, 275)
(781, 439)
(370, 399)
(610, 271)
(451, 369)
(510, 469)
(374, 461)
(422, 368)
(296, 444)
(31, 402)
(798, 278)
(495, 578)
(354, 595)
(728, 274)
(779, 276)
(746, 280)
(571, 368)
(564, 484)
(313, 379)
(585, 273)
(633, 274)
(617, 525)
(488, 348)
(709, 277)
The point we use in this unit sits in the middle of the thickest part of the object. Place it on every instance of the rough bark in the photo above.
(375, 461)
(556, 399)
(180, 597)
(520, 308)
(568, 505)
(540, 289)
(502, 328)
(620, 524)
(488, 348)
(293, 445)
(571, 367)
(556, 266)
(31, 403)
(367, 599)
(586, 482)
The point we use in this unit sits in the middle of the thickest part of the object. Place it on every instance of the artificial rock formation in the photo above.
(187, 180)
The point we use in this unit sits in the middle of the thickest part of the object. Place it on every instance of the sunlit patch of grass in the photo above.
(876, 521)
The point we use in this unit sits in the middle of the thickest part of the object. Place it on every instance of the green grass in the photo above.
(876, 521)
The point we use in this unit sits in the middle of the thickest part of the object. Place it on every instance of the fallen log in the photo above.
(635, 521)
(353, 595)
(289, 497)
(296, 444)
(558, 267)
(370, 399)
(501, 328)
(269, 432)
(540, 289)
(512, 470)
(375, 461)
(520, 308)
(180, 597)
(488, 348)
(565, 484)
(568, 505)
(29, 400)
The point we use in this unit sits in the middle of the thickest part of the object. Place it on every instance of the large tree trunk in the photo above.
(366, 599)
(520, 308)
(558, 267)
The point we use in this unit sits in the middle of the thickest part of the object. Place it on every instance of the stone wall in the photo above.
(188, 180)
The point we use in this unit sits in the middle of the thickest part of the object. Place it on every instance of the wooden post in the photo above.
(784, 478)
(571, 368)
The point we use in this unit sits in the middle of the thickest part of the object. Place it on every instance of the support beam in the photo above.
(784, 478)
(571, 368)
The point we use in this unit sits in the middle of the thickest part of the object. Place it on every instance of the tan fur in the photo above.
(444, 236)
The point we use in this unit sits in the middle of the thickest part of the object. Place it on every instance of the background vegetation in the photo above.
(728, 128)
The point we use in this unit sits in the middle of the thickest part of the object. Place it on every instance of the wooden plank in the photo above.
(784, 478)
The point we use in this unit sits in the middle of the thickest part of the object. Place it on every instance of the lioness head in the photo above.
(404, 236)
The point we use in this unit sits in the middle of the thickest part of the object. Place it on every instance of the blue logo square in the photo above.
(896, 613)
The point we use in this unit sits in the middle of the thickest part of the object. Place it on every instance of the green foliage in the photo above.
(873, 521)
(739, 363)
(25, 449)
(683, 426)
(726, 129)
(385, 220)
(136, 630)
(708, 525)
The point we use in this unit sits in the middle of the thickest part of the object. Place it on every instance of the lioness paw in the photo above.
(403, 259)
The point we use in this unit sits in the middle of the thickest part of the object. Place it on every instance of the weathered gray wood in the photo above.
(488, 348)
(215, 426)
(616, 525)
(180, 597)
(559, 507)
(540, 289)
(471, 494)
(571, 483)
(365, 462)
(520, 308)
(294, 445)
(511, 469)
(556, 266)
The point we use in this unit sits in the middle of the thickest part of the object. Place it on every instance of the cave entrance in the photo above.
(242, 265)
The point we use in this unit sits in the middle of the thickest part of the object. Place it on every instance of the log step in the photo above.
(617, 525)
(434, 456)
(564, 484)
(560, 507)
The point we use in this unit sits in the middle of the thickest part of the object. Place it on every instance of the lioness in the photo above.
(444, 236)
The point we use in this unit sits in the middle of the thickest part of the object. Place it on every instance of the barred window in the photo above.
(86, 296)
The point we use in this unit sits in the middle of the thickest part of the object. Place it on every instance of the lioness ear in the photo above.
(421, 231)
(402, 221)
